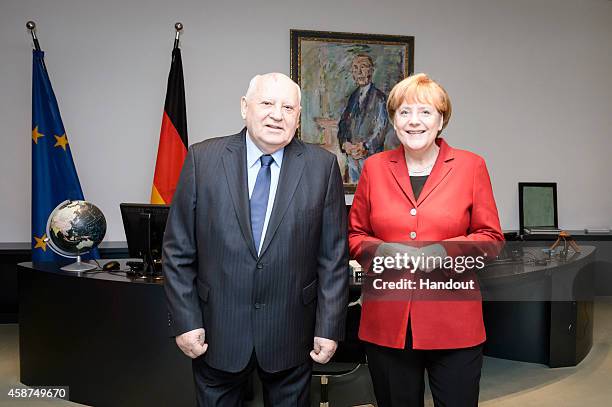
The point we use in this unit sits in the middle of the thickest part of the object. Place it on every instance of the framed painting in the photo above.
(345, 79)
(538, 205)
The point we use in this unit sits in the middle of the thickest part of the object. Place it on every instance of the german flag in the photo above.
(173, 137)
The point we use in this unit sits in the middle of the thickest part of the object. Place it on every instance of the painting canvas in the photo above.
(345, 80)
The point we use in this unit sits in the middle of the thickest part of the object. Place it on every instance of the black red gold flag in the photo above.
(173, 136)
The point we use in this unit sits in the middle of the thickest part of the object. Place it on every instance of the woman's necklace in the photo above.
(425, 170)
(422, 171)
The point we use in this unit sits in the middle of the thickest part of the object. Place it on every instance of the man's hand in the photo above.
(359, 151)
(192, 343)
(347, 146)
(323, 350)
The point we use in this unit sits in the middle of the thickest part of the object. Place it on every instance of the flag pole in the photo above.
(173, 144)
(178, 27)
(31, 26)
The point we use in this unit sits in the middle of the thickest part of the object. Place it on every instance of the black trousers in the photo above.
(398, 375)
(217, 388)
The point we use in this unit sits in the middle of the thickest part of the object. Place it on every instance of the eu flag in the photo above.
(54, 176)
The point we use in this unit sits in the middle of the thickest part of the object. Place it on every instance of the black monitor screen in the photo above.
(140, 221)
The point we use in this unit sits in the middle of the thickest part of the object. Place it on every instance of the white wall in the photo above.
(530, 81)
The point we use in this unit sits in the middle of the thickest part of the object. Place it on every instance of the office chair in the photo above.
(349, 356)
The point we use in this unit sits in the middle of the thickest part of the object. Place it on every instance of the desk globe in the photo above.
(75, 228)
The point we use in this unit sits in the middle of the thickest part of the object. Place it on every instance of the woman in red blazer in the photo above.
(423, 191)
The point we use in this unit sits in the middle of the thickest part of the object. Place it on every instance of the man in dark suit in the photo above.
(255, 254)
(364, 127)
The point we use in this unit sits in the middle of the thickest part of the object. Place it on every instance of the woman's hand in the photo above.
(415, 257)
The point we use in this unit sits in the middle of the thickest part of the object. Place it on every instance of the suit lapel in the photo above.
(289, 178)
(234, 163)
(397, 165)
(442, 167)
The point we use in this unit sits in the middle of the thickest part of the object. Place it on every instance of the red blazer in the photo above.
(455, 204)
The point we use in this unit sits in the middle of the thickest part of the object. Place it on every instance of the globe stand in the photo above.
(79, 266)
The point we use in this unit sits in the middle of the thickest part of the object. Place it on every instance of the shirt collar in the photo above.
(365, 89)
(254, 153)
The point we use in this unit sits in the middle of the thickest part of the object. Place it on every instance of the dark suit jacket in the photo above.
(368, 124)
(274, 303)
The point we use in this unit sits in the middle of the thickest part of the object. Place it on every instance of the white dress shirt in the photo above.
(253, 154)
(363, 91)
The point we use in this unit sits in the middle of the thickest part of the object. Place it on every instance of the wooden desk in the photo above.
(540, 313)
(103, 335)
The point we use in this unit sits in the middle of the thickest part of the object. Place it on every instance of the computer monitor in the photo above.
(144, 226)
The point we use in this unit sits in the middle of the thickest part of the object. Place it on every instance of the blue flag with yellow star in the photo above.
(54, 176)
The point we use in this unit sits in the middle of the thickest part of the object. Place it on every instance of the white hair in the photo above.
(255, 81)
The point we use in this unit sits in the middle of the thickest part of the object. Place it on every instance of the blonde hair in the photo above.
(420, 88)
